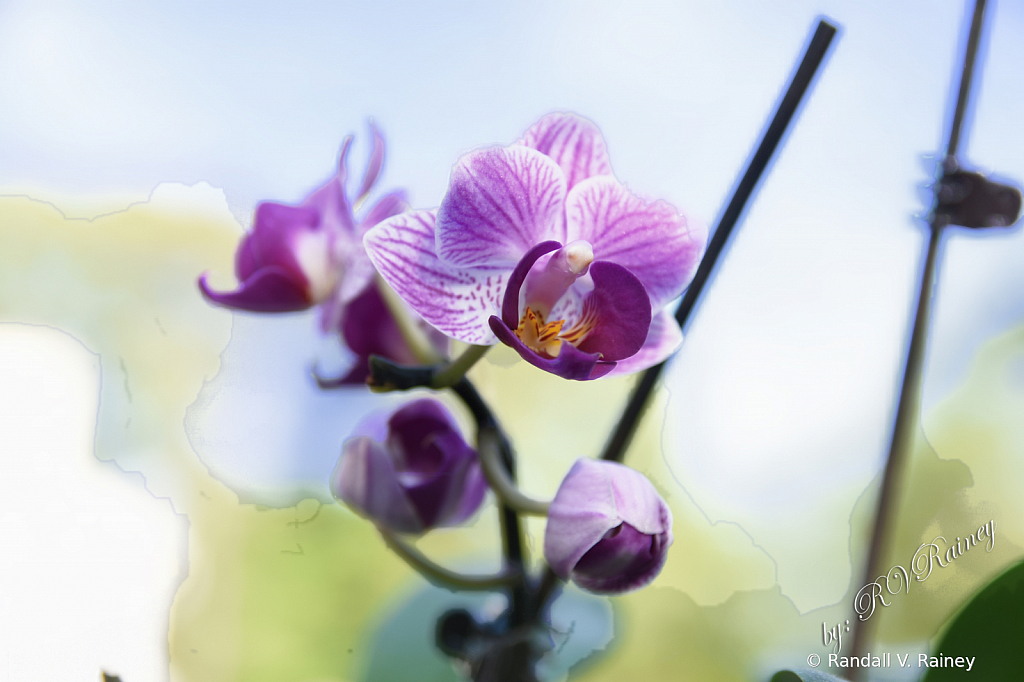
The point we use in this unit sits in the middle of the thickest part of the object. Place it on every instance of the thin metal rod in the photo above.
(908, 407)
(966, 78)
(907, 413)
(798, 86)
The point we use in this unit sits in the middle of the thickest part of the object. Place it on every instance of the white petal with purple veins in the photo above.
(573, 142)
(658, 245)
(501, 202)
(457, 301)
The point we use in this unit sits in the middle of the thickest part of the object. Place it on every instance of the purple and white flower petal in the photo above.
(458, 301)
(608, 529)
(500, 202)
(653, 241)
(422, 474)
(663, 339)
(573, 142)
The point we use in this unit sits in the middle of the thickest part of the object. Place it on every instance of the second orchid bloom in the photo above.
(537, 245)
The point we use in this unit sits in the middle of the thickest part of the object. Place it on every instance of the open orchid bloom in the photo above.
(608, 529)
(296, 257)
(538, 246)
(411, 473)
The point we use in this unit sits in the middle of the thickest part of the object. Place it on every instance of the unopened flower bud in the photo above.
(412, 473)
(608, 528)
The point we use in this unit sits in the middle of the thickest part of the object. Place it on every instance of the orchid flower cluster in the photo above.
(535, 245)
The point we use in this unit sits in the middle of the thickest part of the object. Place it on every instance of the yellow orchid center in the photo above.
(546, 338)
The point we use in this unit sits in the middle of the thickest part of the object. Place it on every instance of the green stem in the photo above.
(443, 577)
(450, 374)
(499, 480)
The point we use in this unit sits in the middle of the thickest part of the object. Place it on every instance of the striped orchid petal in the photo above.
(457, 301)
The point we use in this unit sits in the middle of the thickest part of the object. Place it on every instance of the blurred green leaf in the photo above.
(804, 676)
(990, 629)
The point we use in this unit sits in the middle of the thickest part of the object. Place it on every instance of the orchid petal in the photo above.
(658, 245)
(457, 301)
(597, 520)
(374, 165)
(620, 310)
(270, 290)
(571, 362)
(388, 205)
(500, 203)
(272, 238)
(330, 200)
(369, 329)
(663, 339)
(365, 480)
(573, 142)
(422, 476)
(510, 302)
(582, 511)
(624, 559)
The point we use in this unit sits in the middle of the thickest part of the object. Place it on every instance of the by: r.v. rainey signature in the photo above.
(927, 555)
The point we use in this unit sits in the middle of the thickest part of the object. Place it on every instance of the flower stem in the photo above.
(452, 372)
(443, 577)
(499, 480)
(616, 447)
(511, 529)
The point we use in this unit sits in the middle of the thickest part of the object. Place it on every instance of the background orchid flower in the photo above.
(296, 257)
(539, 246)
(411, 473)
(608, 529)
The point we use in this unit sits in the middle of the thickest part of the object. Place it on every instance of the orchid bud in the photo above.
(608, 529)
(412, 473)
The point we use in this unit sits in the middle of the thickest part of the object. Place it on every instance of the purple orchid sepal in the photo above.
(411, 472)
(608, 529)
(472, 269)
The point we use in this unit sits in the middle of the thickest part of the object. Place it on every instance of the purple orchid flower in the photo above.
(608, 529)
(297, 257)
(411, 473)
(539, 246)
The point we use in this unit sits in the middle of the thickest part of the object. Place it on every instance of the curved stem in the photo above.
(447, 375)
(443, 577)
(499, 480)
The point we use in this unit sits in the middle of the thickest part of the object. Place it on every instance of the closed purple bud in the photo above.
(608, 528)
(411, 474)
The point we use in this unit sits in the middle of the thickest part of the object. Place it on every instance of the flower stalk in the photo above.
(501, 483)
(443, 577)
